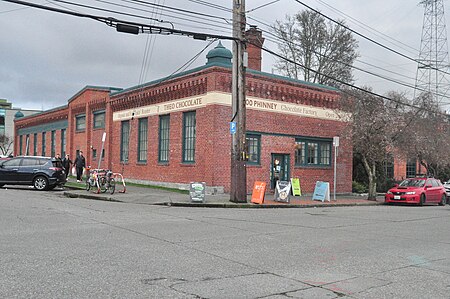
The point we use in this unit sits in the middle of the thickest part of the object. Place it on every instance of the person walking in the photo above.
(67, 163)
(80, 163)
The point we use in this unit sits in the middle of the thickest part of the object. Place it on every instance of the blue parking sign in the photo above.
(233, 127)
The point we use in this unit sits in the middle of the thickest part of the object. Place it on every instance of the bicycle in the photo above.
(102, 179)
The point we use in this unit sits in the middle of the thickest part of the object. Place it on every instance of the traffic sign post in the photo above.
(335, 145)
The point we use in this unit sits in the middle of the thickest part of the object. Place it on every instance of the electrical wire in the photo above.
(370, 39)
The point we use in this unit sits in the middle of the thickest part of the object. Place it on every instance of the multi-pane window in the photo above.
(253, 145)
(189, 136)
(389, 166)
(35, 144)
(43, 144)
(99, 119)
(124, 140)
(20, 145)
(27, 145)
(312, 153)
(325, 153)
(80, 122)
(142, 139)
(63, 143)
(411, 168)
(164, 125)
(53, 144)
(2, 121)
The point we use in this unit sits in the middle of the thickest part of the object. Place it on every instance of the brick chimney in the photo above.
(254, 44)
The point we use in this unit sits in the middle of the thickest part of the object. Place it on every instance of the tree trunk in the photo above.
(371, 173)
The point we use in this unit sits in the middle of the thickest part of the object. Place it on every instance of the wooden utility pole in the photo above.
(238, 185)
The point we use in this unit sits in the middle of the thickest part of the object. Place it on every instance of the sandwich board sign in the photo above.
(259, 190)
(197, 191)
(296, 190)
(283, 191)
(322, 191)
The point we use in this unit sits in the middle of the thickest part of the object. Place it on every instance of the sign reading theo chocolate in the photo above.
(215, 98)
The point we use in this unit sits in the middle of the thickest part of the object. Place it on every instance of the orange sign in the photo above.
(259, 190)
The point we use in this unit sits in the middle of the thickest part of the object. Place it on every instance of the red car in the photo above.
(417, 191)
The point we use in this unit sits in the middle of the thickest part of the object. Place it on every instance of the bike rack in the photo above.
(119, 175)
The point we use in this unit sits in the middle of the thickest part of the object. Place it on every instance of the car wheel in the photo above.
(422, 199)
(40, 183)
(443, 200)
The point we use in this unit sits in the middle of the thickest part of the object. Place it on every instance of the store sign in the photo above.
(322, 191)
(296, 190)
(216, 98)
(259, 190)
(283, 191)
(197, 191)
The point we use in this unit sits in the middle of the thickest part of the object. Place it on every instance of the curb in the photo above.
(90, 196)
(224, 205)
(263, 206)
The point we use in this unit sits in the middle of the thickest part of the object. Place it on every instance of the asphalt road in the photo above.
(57, 247)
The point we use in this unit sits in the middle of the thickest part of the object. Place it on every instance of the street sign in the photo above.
(336, 141)
(233, 127)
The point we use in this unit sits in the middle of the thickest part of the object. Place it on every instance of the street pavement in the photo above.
(53, 246)
(152, 196)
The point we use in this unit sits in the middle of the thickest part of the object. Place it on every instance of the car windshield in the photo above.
(412, 183)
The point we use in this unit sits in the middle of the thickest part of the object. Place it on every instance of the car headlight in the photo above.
(410, 192)
(389, 192)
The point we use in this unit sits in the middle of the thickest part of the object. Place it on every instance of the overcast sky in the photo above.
(47, 57)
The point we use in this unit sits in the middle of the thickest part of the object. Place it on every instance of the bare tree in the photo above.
(427, 135)
(5, 144)
(375, 122)
(310, 41)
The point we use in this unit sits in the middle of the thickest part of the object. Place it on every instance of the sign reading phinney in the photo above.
(216, 98)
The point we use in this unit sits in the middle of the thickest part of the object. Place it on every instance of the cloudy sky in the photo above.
(47, 57)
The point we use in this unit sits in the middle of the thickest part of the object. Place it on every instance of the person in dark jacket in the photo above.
(67, 163)
(80, 163)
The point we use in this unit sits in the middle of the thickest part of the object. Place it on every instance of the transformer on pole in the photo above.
(433, 60)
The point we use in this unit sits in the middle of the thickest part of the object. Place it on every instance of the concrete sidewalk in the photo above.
(151, 196)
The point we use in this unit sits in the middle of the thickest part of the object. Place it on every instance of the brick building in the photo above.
(176, 130)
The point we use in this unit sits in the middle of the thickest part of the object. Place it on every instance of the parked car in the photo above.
(43, 173)
(417, 191)
(447, 190)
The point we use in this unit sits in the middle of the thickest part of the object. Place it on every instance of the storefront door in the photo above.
(279, 169)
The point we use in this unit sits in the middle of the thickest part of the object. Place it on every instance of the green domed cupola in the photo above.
(18, 114)
(219, 55)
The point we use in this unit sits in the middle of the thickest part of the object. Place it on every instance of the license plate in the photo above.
(396, 196)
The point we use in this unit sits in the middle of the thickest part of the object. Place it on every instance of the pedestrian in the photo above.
(80, 163)
(67, 164)
(58, 158)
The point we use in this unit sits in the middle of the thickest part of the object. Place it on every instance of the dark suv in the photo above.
(43, 173)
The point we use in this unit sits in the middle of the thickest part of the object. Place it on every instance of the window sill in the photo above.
(163, 164)
(141, 163)
(187, 164)
(314, 166)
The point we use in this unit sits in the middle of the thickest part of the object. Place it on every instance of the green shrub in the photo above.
(358, 187)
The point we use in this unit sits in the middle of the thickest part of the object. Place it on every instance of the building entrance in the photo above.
(279, 169)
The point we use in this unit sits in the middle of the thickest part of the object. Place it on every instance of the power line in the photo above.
(345, 83)
(128, 26)
(367, 38)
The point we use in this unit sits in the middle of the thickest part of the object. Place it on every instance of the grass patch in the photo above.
(73, 184)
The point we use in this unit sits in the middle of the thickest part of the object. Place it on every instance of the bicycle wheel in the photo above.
(103, 184)
(88, 185)
(112, 186)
